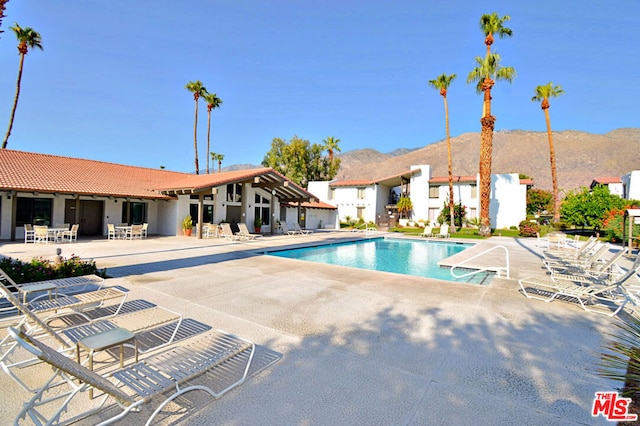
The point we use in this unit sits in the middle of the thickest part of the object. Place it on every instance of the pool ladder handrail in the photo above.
(496, 269)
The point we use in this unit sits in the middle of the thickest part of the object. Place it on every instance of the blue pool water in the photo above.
(410, 257)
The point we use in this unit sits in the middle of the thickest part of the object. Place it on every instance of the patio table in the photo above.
(124, 231)
(56, 233)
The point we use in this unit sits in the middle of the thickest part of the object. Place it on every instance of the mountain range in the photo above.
(580, 157)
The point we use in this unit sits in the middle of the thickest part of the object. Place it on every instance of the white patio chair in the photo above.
(72, 234)
(41, 234)
(29, 234)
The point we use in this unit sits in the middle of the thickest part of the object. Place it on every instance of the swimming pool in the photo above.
(402, 256)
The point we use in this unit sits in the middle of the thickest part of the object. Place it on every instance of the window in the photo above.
(205, 197)
(361, 193)
(434, 192)
(360, 212)
(207, 213)
(332, 193)
(234, 192)
(474, 191)
(134, 213)
(36, 211)
(262, 209)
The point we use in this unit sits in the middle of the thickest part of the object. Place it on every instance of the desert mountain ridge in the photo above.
(580, 157)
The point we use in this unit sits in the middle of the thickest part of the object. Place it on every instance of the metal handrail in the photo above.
(497, 269)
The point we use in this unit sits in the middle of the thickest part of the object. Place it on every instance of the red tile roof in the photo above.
(352, 183)
(606, 180)
(311, 205)
(27, 171)
(30, 172)
(456, 179)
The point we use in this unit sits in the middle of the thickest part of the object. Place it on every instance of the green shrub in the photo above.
(40, 269)
(528, 229)
(459, 212)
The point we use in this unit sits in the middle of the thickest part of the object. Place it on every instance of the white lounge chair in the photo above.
(542, 242)
(444, 231)
(590, 294)
(227, 233)
(62, 304)
(138, 384)
(284, 229)
(244, 233)
(427, 231)
(298, 230)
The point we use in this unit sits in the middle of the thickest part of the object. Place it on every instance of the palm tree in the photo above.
(212, 101)
(198, 90)
(486, 73)
(331, 145)
(491, 24)
(217, 157)
(442, 83)
(543, 93)
(27, 38)
(3, 6)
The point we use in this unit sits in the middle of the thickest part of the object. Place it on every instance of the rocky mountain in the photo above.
(580, 157)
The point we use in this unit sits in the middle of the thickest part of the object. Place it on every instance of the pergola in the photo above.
(632, 216)
(281, 188)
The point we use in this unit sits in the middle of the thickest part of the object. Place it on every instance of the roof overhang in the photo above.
(264, 178)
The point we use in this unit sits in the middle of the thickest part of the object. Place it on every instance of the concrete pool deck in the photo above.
(360, 347)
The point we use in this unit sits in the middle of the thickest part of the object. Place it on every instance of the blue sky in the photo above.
(109, 84)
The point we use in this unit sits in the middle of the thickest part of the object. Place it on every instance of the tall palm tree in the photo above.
(27, 38)
(212, 101)
(488, 70)
(543, 93)
(198, 90)
(217, 157)
(442, 83)
(491, 24)
(331, 145)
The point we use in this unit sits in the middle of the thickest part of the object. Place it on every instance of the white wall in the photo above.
(419, 191)
(508, 203)
(631, 182)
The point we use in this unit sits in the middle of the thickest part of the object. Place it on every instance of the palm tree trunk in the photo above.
(208, 136)
(486, 150)
(15, 103)
(449, 166)
(554, 174)
(195, 138)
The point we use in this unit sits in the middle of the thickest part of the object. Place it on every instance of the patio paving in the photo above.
(349, 346)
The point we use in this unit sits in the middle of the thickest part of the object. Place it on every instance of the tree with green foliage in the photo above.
(213, 101)
(27, 38)
(590, 207)
(331, 145)
(442, 83)
(486, 73)
(543, 93)
(198, 90)
(404, 206)
(217, 158)
(3, 6)
(539, 201)
(301, 161)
